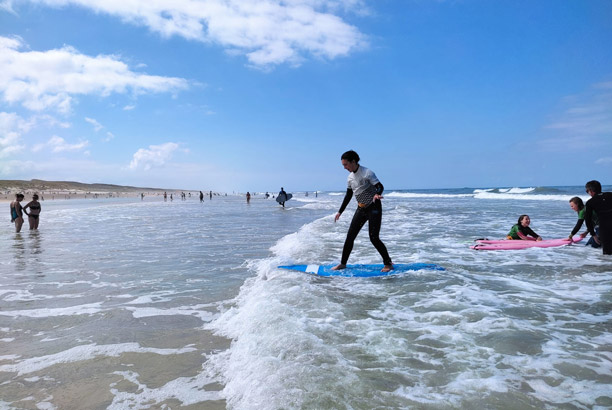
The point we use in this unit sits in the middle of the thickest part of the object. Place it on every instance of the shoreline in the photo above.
(61, 195)
(64, 190)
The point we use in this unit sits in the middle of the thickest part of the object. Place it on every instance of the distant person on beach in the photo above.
(601, 203)
(34, 214)
(248, 197)
(17, 212)
(282, 197)
(165, 197)
(368, 191)
(522, 231)
(201, 196)
(210, 195)
(577, 205)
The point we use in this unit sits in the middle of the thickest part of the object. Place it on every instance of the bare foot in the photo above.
(387, 268)
(338, 267)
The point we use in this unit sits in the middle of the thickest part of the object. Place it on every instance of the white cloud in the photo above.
(268, 32)
(58, 144)
(155, 156)
(604, 160)
(584, 124)
(12, 127)
(41, 80)
(109, 136)
(588, 114)
(97, 126)
(129, 107)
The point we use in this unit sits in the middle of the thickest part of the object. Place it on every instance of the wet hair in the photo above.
(521, 218)
(594, 186)
(17, 196)
(350, 156)
(578, 201)
(35, 196)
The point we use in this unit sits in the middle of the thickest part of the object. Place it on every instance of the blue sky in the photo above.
(237, 95)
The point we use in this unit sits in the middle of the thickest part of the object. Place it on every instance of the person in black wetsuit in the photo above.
(601, 203)
(282, 197)
(368, 190)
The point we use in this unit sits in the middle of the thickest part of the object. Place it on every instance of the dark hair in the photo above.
(578, 201)
(350, 156)
(35, 196)
(19, 196)
(594, 186)
(521, 218)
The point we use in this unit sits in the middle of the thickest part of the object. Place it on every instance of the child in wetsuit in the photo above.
(577, 205)
(522, 230)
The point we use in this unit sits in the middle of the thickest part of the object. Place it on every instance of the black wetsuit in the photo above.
(370, 212)
(602, 205)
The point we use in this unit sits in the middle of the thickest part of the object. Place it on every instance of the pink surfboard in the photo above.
(505, 244)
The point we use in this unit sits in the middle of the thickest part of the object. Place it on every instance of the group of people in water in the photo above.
(367, 189)
(363, 183)
(597, 213)
(17, 212)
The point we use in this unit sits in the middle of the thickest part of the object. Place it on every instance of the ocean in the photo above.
(130, 304)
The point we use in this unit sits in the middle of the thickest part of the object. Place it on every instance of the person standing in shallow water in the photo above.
(17, 212)
(34, 214)
(601, 203)
(282, 195)
(368, 191)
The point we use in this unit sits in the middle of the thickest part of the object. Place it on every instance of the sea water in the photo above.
(130, 304)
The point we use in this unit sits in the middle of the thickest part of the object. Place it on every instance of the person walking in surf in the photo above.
(368, 191)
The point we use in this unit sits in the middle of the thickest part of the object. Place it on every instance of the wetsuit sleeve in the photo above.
(379, 188)
(588, 218)
(530, 232)
(347, 199)
(577, 227)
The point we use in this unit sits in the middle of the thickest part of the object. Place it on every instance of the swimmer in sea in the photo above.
(17, 212)
(522, 230)
(34, 214)
(368, 191)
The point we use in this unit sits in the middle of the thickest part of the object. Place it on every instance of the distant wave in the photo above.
(506, 190)
(425, 195)
(529, 197)
(515, 193)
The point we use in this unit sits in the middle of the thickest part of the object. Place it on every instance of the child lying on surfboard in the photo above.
(522, 230)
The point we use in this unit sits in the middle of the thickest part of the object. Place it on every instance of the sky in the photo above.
(252, 95)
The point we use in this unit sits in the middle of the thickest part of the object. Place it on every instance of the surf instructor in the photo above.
(601, 203)
(368, 191)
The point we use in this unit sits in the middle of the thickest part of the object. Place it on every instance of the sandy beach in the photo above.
(64, 190)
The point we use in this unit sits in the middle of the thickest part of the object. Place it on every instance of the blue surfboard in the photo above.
(361, 271)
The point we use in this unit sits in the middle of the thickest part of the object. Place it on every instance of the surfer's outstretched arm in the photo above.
(345, 202)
